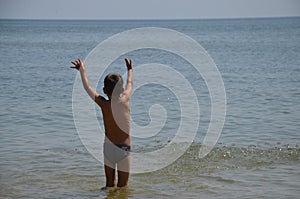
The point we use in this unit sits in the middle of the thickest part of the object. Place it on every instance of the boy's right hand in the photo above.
(128, 64)
(77, 64)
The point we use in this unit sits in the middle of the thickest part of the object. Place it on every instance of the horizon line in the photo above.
(149, 19)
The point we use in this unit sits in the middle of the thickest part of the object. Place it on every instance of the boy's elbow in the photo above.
(87, 89)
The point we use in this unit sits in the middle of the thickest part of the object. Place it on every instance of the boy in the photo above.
(116, 118)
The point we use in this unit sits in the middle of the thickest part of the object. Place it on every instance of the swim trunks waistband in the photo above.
(125, 147)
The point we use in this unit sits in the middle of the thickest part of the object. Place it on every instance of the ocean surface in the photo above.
(257, 154)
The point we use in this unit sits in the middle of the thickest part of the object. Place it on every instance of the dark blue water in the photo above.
(256, 156)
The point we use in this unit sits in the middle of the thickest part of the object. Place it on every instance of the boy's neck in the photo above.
(114, 97)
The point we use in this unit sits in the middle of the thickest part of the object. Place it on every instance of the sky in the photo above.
(146, 9)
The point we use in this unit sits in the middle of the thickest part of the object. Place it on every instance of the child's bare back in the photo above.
(116, 117)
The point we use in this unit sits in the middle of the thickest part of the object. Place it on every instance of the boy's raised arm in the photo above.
(79, 65)
(129, 83)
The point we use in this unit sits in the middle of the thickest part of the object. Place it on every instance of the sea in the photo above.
(256, 156)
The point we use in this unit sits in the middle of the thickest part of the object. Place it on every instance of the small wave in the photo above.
(233, 157)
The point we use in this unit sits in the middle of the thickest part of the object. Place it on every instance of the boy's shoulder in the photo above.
(101, 101)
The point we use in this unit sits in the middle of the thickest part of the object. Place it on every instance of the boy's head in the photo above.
(113, 84)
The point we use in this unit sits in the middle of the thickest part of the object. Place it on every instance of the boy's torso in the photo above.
(116, 118)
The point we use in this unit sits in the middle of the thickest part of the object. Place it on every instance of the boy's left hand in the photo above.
(77, 64)
(128, 64)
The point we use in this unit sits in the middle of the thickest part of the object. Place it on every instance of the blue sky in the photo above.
(146, 9)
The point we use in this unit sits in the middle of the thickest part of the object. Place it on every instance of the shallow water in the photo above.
(228, 171)
(257, 155)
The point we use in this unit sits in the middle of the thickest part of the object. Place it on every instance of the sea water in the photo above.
(257, 155)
